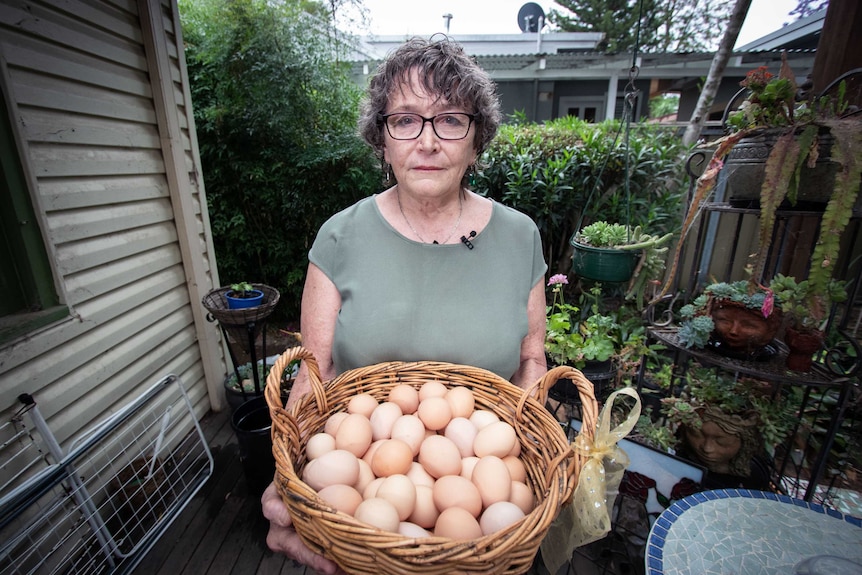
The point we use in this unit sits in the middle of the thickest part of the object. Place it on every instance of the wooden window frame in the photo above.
(26, 279)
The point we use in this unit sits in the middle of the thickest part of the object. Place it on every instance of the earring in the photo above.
(471, 171)
(387, 173)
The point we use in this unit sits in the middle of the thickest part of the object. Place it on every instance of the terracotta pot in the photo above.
(802, 344)
(740, 331)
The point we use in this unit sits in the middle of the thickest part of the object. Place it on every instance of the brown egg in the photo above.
(434, 412)
(432, 389)
(497, 438)
(419, 476)
(483, 417)
(425, 512)
(335, 467)
(522, 496)
(370, 491)
(400, 492)
(354, 434)
(440, 456)
(457, 523)
(318, 444)
(378, 513)
(409, 429)
(333, 421)
(499, 516)
(406, 397)
(468, 464)
(461, 401)
(343, 497)
(456, 491)
(491, 477)
(366, 476)
(516, 467)
(392, 457)
(383, 418)
(369, 453)
(462, 432)
(363, 403)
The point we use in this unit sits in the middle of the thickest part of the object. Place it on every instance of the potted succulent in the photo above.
(738, 319)
(723, 421)
(806, 308)
(243, 295)
(611, 252)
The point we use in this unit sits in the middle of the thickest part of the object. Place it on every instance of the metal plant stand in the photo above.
(241, 327)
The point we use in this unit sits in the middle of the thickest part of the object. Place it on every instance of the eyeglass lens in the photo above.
(452, 126)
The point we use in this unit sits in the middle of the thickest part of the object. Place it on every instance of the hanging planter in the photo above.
(612, 252)
(603, 264)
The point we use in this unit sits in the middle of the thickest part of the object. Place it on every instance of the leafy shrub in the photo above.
(548, 171)
(276, 114)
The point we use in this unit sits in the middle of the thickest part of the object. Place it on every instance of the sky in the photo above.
(424, 17)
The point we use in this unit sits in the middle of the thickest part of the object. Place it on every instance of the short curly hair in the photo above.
(448, 72)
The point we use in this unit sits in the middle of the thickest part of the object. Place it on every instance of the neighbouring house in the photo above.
(553, 74)
(107, 248)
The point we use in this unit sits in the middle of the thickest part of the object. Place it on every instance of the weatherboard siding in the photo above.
(99, 98)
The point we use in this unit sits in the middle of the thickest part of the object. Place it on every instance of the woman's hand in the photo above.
(282, 537)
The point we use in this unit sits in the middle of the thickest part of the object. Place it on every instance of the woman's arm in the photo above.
(533, 364)
(320, 304)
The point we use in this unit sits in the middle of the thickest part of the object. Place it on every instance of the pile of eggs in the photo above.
(423, 463)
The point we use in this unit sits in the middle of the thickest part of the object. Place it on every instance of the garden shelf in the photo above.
(811, 462)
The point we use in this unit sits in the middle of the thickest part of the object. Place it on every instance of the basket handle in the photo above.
(589, 407)
(273, 380)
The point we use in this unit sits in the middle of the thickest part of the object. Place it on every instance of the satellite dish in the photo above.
(531, 17)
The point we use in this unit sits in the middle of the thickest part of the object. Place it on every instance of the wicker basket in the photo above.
(552, 468)
(215, 303)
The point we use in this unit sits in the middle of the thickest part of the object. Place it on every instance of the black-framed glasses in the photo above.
(448, 126)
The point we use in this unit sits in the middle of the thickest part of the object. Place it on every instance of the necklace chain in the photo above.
(412, 229)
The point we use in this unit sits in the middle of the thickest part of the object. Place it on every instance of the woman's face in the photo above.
(427, 166)
(713, 446)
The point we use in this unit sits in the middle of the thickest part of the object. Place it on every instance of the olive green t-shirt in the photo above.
(403, 300)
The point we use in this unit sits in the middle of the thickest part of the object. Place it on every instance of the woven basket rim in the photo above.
(552, 469)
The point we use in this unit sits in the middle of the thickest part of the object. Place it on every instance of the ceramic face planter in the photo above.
(740, 331)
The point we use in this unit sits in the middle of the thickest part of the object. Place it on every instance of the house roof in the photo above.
(573, 55)
(802, 34)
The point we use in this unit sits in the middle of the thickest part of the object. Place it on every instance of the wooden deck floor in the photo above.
(222, 530)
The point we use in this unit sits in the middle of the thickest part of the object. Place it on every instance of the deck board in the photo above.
(222, 530)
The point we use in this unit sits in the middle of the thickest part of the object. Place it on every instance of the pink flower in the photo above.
(768, 303)
(558, 279)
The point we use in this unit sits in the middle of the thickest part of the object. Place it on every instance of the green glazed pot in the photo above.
(604, 264)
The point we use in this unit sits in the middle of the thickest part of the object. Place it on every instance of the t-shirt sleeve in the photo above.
(324, 250)
(540, 267)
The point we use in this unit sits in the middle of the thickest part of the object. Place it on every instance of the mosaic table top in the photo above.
(743, 532)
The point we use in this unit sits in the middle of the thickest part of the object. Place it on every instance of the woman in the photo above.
(426, 270)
